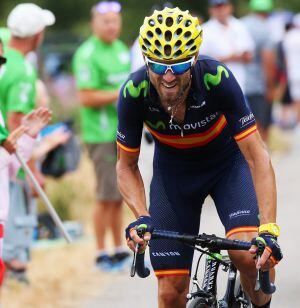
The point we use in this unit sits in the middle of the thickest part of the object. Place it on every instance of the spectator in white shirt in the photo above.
(291, 46)
(260, 81)
(226, 39)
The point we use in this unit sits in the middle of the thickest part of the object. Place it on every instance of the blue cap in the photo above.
(218, 2)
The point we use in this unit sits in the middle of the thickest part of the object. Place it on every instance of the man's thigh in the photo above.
(243, 260)
(169, 212)
(103, 157)
(235, 198)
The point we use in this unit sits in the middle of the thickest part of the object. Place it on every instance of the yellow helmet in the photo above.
(170, 34)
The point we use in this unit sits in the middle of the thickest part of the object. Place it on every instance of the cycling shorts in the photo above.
(177, 193)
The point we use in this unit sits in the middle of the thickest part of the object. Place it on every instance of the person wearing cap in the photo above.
(18, 98)
(291, 46)
(260, 81)
(101, 64)
(227, 39)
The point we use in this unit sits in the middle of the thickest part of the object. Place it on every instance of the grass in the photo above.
(59, 277)
(73, 194)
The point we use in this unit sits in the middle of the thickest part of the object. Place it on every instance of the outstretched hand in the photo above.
(10, 144)
(36, 120)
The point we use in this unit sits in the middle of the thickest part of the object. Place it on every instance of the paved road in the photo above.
(122, 291)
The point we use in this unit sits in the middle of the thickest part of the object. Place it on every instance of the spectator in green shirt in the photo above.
(101, 64)
(26, 23)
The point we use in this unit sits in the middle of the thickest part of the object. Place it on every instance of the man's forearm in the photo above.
(265, 187)
(131, 186)
(97, 98)
(268, 65)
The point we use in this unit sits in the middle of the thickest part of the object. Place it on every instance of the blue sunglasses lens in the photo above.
(177, 69)
(181, 68)
(157, 68)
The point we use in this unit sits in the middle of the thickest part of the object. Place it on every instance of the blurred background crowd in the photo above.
(84, 56)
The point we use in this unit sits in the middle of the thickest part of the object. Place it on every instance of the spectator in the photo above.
(227, 39)
(291, 46)
(17, 98)
(287, 118)
(261, 70)
(9, 165)
(101, 64)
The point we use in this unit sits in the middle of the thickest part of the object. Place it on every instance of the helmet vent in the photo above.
(158, 31)
(157, 44)
(190, 42)
(178, 53)
(147, 43)
(151, 23)
(157, 53)
(160, 19)
(167, 50)
(169, 22)
(150, 34)
(193, 48)
(188, 23)
(178, 43)
(179, 19)
(168, 36)
(178, 31)
(187, 34)
(144, 47)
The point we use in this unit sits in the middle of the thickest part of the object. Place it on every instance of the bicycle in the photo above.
(206, 294)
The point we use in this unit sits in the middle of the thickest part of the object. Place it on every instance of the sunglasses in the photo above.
(2, 60)
(176, 68)
(104, 7)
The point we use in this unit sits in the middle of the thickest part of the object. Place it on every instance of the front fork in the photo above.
(229, 297)
(234, 295)
(208, 290)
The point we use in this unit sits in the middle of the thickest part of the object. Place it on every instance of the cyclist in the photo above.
(206, 143)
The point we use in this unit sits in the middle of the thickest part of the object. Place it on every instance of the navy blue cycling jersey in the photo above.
(216, 114)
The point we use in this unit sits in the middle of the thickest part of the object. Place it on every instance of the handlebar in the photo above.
(141, 269)
(212, 242)
(266, 285)
(204, 240)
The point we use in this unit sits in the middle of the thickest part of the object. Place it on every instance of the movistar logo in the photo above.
(135, 91)
(215, 79)
(158, 125)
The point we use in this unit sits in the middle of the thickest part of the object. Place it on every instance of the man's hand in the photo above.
(36, 120)
(265, 245)
(10, 144)
(132, 237)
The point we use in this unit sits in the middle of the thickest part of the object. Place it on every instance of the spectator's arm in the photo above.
(14, 120)
(268, 65)
(97, 98)
(244, 57)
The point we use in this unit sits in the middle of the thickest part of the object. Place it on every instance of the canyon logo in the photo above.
(247, 119)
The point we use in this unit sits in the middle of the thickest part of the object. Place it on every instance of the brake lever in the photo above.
(136, 249)
(133, 268)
